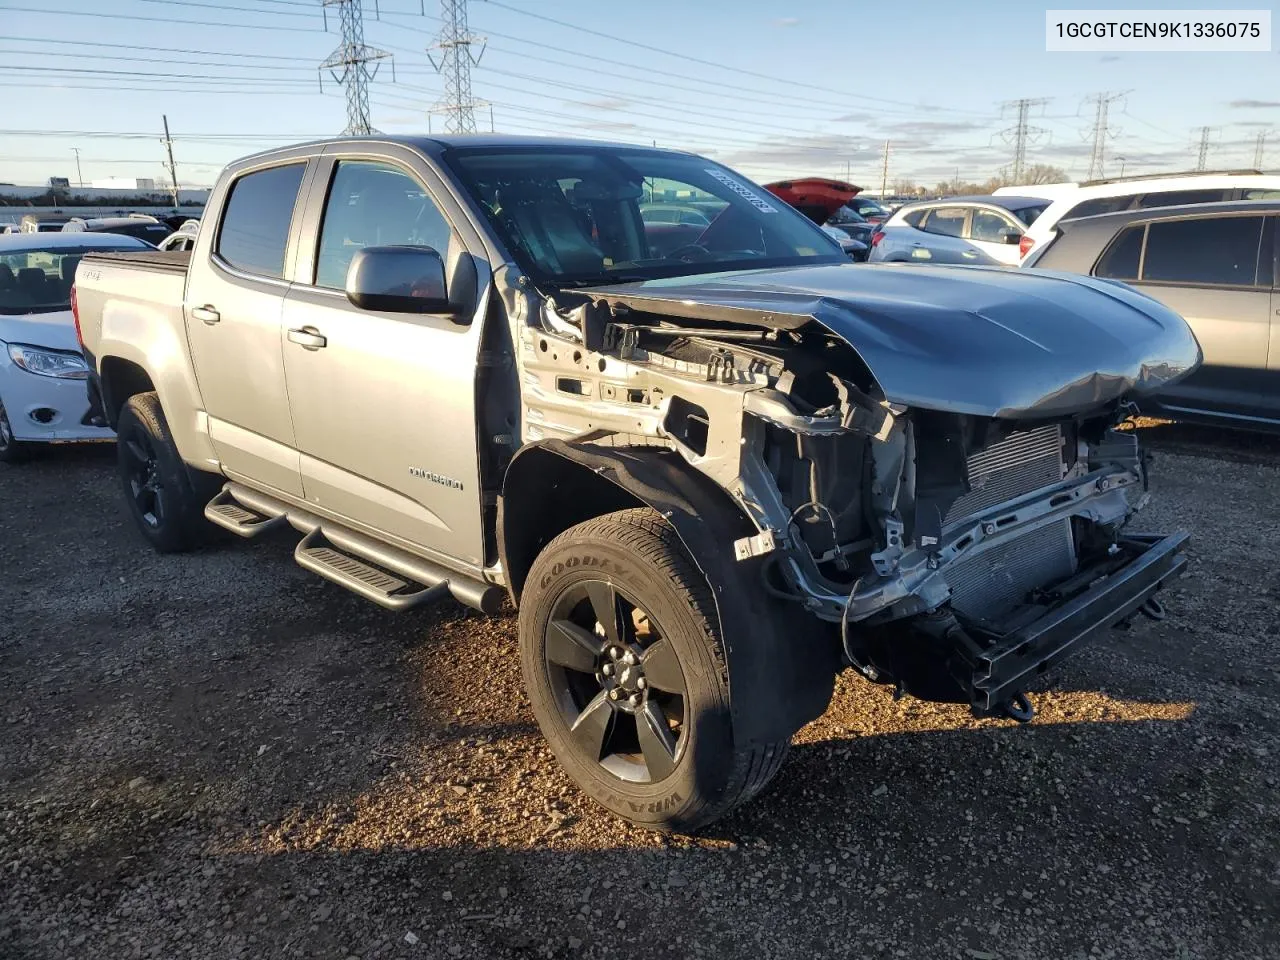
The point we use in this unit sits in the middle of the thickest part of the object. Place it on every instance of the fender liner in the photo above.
(781, 662)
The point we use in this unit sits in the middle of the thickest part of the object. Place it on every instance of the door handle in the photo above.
(206, 313)
(969, 253)
(308, 337)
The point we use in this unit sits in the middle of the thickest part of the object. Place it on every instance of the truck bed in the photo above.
(169, 261)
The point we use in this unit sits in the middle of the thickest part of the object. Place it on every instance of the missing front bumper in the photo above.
(994, 668)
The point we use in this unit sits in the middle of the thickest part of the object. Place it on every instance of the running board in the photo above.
(387, 575)
(318, 555)
(224, 511)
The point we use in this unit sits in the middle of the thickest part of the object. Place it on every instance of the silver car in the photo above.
(974, 230)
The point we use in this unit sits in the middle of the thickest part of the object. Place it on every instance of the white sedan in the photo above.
(42, 371)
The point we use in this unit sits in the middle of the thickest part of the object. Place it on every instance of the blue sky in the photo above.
(774, 89)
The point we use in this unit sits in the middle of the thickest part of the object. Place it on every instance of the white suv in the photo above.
(1135, 193)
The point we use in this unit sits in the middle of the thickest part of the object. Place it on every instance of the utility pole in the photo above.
(80, 176)
(173, 170)
(456, 58)
(1101, 132)
(1259, 148)
(1021, 133)
(1202, 155)
(884, 170)
(349, 64)
(1123, 161)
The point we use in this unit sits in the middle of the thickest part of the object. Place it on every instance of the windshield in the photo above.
(39, 281)
(595, 214)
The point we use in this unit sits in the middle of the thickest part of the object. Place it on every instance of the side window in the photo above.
(255, 224)
(913, 218)
(1176, 198)
(374, 204)
(1219, 250)
(989, 226)
(945, 221)
(1121, 259)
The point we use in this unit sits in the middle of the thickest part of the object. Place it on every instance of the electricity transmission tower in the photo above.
(1202, 155)
(1101, 132)
(349, 63)
(1021, 133)
(456, 58)
(1259, 148)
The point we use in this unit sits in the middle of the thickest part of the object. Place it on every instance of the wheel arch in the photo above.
(782, 663)
(120, 380)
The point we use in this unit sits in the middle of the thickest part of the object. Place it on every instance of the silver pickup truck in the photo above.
(710, 466)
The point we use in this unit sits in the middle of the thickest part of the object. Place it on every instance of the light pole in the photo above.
(1121, 159)
(79, 176)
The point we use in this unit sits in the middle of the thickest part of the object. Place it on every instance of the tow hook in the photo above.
(1019, 707)
(1152, 609)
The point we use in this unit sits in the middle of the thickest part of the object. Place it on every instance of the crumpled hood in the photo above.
(990, 342)
(56, 330)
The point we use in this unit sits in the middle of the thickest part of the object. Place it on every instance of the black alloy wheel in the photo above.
(142, 472)
(617, 682)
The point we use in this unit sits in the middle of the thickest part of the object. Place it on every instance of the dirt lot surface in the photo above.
(218, 755)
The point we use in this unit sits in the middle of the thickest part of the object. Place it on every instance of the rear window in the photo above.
(1091, 208)
(1209, 250)
(914, 217)
(39, 280)
(1120, 262)
(255, 226)
(1028, 214)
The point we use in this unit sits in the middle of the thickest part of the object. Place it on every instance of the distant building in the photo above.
(125, 183)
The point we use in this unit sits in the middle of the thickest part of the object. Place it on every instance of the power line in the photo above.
(168, 20)
(454, 47)
(1101, 132)
(353, 55)
(1022, 133)
(135, 46)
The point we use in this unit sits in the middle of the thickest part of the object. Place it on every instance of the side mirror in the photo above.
(1010, 237)
(398, 280)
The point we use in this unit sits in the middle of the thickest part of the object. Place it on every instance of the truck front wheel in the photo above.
(166, 500)
(626, 671)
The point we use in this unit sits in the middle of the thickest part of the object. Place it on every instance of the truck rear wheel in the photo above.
(165, 498)
(626, 672)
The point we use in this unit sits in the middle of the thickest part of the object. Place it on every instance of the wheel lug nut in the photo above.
(641, 683)
(608, 669)
(635, 699)
(615, 653)
(614, 694)
(630, 658)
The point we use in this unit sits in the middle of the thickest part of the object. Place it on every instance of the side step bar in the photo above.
(387, 575)
(226, 513)
(359, 577)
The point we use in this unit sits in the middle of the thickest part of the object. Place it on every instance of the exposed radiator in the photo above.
(994, 582)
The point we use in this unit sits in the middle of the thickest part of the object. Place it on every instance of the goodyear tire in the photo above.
(626, 673)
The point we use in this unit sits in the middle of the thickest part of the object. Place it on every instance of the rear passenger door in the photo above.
(235, 294)
(384, 404)
(1217, 273)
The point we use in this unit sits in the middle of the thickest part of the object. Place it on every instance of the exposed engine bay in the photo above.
(882, 519)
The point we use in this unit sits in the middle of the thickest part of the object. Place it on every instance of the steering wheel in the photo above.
(691, 253)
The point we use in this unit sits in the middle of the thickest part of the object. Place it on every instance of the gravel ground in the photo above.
(218, 755)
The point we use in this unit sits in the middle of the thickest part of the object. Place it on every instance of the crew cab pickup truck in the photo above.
(709, 476)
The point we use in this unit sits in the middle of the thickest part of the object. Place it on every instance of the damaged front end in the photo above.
(957, 552)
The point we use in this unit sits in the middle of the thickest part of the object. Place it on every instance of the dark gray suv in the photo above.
(1215, 264)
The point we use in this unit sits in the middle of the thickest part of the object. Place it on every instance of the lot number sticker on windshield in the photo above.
(761, 204)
